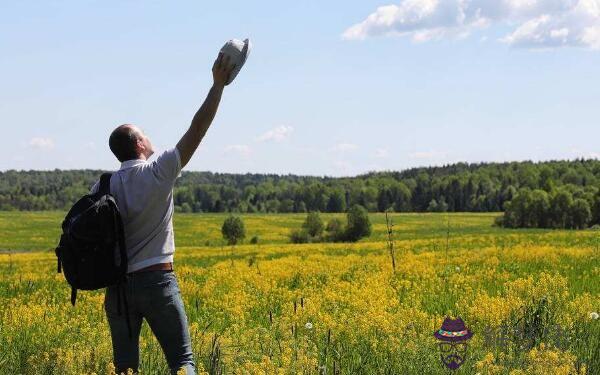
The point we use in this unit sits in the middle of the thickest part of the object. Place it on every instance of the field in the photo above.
(273, 307)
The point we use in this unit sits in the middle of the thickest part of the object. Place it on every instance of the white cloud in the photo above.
(343, 147)
(591, 37)
(41, 143)
(424, 19)
(535, 23)
(278, 134)
(243, 150)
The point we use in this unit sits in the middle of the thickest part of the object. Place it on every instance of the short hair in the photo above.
(122, 142)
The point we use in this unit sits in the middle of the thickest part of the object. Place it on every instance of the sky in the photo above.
(331, 88)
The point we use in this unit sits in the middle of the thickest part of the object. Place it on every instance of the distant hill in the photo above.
(455, 187)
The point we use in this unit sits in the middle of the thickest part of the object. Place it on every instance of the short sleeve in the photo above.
(167, 167)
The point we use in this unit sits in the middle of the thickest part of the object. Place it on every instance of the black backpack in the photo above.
(91, 251)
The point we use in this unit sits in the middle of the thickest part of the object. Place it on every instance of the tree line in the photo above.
(557, 208)
(476, 187)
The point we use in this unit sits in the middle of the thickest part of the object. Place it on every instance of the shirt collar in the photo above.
(132, 163)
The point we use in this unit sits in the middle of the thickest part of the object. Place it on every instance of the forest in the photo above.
(532, 194)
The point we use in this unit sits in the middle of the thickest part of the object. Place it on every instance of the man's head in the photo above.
(128, 142)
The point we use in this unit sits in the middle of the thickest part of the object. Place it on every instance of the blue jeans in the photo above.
(155, 296)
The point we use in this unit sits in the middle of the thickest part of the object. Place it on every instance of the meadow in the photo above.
(529, 297)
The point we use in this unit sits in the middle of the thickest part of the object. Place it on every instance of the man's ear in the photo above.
(139, 147)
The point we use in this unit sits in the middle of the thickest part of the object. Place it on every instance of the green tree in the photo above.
(547, 179)
(337, 201)
(561, 203)
(471, 187)
(572, 176)
(313, 224)
(286, 205)
(301, 207)
(517, 212)
(358, 225)
(233, 230)
(433, 206)
(402, 197)
(596, 209)
(272, 205)
(539, 209)
(580, 213)
(442, 205)
(299, 236)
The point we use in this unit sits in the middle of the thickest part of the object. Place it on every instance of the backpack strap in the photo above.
(57, 251)
(104, 183)
(121, 289)
(120, 235)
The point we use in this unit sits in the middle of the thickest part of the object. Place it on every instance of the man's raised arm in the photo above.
(188, 144)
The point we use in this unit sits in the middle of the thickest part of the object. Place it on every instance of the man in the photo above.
(144, 194)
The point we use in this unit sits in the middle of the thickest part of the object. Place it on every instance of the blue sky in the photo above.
(331, 88)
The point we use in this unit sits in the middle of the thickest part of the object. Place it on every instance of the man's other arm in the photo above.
(188, 144)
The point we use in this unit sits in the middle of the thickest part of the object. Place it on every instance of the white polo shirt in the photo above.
(143, 191)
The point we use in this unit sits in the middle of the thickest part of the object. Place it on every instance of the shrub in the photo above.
(334, 230)
(233, 230)
(254, 240)
(313, 224)
(498, 221)
(312, 229)
(358, 223)
(299, 236)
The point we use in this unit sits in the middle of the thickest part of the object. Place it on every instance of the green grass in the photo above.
(26, 231)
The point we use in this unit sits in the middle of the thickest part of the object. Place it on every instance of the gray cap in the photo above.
(238, 52)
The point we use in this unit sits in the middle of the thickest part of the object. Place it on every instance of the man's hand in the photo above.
(188, 144)
(221, 70)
